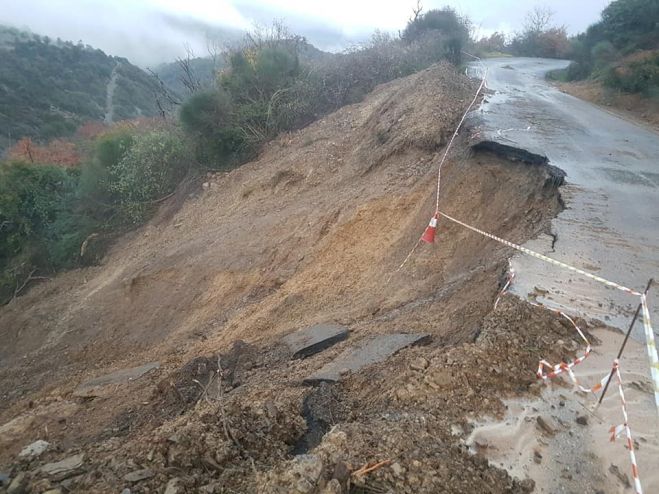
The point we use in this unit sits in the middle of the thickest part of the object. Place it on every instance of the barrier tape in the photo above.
(543, 257)
(567, 367)
(651, 347)
(617, 431)
(509, 280)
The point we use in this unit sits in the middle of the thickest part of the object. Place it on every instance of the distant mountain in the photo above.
(203, 69)
(50, 87)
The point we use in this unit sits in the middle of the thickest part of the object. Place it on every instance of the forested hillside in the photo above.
(48, 88)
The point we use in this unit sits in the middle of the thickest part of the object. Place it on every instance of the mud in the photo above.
(314, 230)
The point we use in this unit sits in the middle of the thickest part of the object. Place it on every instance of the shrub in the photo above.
(640, 76)
(36, 220)
(147, 171)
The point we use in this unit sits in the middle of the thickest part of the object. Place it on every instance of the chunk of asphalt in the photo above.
(314, 339)
(95, 387)
(371, 351)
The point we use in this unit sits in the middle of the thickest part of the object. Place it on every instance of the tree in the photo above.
(450, 29)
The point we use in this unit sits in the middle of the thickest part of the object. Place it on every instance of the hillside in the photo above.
(48, 88)
(314, 230)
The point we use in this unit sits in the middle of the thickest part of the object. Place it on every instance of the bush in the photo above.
(637, 77)
(37, 222)
(150, 169)
(447, 25)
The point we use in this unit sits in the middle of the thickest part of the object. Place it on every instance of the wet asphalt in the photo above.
(610, 225)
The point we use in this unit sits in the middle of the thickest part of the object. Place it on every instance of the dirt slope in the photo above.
(312, 231)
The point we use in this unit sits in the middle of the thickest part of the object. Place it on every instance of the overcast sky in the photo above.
(148, 32)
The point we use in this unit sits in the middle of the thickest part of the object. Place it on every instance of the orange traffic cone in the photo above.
(429, 235)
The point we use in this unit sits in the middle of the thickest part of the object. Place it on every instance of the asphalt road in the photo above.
(610, 226)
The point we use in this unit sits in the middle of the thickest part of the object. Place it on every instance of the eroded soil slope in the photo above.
(312, 231)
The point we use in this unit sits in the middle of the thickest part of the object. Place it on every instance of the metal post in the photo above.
(624, 342)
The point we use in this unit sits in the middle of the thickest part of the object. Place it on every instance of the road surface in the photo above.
(610, 225)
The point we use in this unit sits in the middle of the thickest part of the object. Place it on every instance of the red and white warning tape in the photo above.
(651, 348)
(617, 431)
(567, 366)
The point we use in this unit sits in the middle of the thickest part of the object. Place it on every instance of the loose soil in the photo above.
(312, 231)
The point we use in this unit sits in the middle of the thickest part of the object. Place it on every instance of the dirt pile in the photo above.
(312, 231)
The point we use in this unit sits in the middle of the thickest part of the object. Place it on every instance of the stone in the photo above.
(370, 351)
(34, 450)
(99, 386)
(4, 479)
(53, 491)
(64, 468)
(18, 484)
(333, 487)
(419, 364)
(547, 425)
(537, 456)
(138, 475)
(397, 469)
(582, 420)
(174, 486)
(126, 491)
(314, 339)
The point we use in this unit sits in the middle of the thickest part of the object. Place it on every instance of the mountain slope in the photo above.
(49, 87)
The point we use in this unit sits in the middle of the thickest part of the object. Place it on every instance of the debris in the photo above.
(34, 450)
(419, 364)
(371, 351)
(582, 420)
(65, 467)
(98, 386)
(314, 339)
(173, 486)
(18, 484)
(371, 467)
(547, 425)
(138, 475)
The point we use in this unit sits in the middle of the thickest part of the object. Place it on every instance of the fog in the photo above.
(149, 32)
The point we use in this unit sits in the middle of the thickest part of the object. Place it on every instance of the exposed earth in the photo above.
(166, 368)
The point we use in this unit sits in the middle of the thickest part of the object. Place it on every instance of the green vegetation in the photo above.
(54, 218)
(271, 84)
(48, 88)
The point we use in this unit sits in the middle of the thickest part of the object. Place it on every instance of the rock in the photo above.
(138, 475)
(64, 468)
(34, 450)
(206, 185)
(126, 491)
(397, 469)
(4, 479)
(100, 386)
(314, 339)
(582, 420)
(537, 456)
(53, 491)
(18, 484)
(370, 351)
(174, 486)
(333, 487)
(419, 364)
(547, 425)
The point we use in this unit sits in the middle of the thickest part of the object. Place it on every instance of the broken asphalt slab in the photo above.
(371, 351)
(314, 339)
(97, 386)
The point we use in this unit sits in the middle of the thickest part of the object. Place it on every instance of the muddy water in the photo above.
(610, 226)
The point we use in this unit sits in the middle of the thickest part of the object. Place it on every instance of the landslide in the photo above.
(313, 230)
